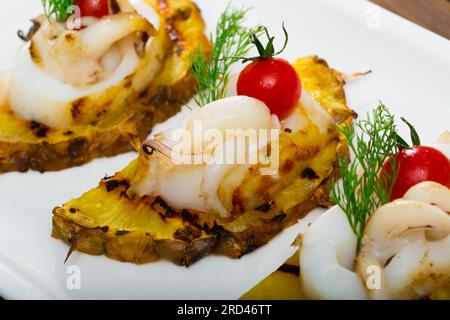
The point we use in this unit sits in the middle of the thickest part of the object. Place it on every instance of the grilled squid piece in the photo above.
(103, 64)
(409, 241)
(432, 193)
(187, 166)
(78, 57)
(326, 259)
(307, 111)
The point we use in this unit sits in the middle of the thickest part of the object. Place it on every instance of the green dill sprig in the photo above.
(364, 187)
(57, 9)
(230, 41)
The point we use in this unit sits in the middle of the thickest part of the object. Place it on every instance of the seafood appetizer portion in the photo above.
(247, 158)
(389, 236)
(94, 76)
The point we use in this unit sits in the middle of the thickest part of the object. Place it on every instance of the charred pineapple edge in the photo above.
(82, 145)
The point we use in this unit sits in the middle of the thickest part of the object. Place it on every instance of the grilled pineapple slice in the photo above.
(107, 220)
(282, 284)
(106, 130)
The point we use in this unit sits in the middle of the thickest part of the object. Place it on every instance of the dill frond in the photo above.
(57, 9)
(363, 187)
(230, 41)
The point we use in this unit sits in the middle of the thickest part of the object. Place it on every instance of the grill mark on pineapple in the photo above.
(191, 218)
(140, 45)
(183, 14)
(143, 94)
(307, 153)
(166, 212)
(121, 232)
(127, 81)
(237, 202)
(187, 216)
(309, 173)
(278, 218)
(238, 199)
(76, 107)
(101, 112)
(103, 229)
(218, 231)
(111, 185)
(287, 166)
(287, 268)
(264, 186)
(40, 130)
(265, 207)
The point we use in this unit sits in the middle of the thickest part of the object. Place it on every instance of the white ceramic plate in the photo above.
(411, 75)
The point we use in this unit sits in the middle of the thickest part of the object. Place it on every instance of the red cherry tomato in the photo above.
(417, 164)
(93, 8)
(273, 81)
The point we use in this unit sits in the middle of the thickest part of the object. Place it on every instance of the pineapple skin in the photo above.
(105, 128)
(108, 220)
